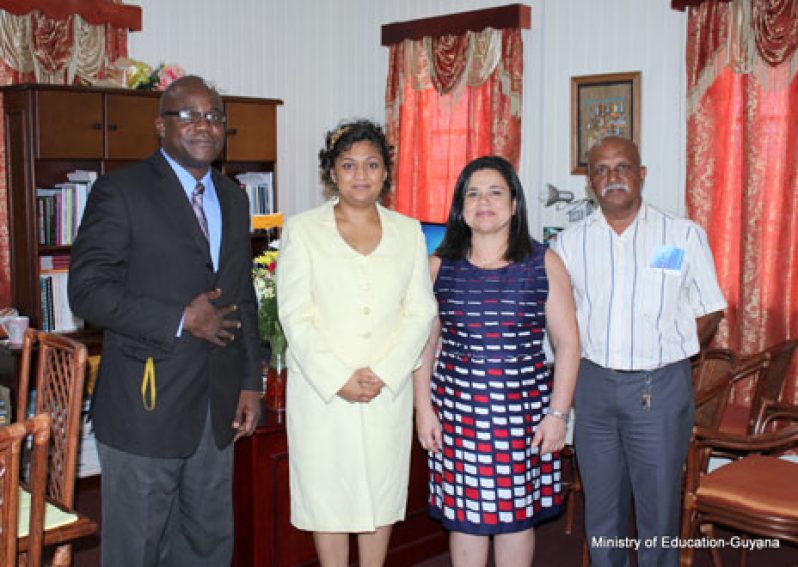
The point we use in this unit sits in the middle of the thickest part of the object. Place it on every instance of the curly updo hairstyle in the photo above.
(341, 139)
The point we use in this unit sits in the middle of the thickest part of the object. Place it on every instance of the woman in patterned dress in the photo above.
(487, 407)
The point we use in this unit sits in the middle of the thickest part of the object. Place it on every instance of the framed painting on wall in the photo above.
(602, 105)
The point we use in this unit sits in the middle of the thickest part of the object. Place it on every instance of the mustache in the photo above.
(615, 187)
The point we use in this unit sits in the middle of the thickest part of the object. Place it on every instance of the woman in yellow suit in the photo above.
(356, 303)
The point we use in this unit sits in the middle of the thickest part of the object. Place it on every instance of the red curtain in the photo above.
(742, 168)
(448, 100)
(38, 48)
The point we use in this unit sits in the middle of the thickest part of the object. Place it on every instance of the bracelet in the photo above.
(558, 414)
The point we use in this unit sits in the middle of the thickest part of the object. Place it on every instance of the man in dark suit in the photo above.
(162, 264)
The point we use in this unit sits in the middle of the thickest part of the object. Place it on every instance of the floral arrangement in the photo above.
(269, 327)
(143, 77)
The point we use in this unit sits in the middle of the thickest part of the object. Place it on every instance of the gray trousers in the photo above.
(167, 512)
(624, 450)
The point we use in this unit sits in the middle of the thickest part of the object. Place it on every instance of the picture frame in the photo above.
(602, 105)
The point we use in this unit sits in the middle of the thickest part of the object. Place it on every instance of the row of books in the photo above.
(59, 209)
(56, 314)
(260, 192)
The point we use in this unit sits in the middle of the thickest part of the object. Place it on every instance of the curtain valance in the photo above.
(449, 62)
(92, 11)
(749, 32)
(748, 36)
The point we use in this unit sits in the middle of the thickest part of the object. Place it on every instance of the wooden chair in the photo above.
(768, 370)
(60, 373)
(711, 364)
(713, 376)
(11, 445)
(572, 487)
(754, 494)
(769, 388)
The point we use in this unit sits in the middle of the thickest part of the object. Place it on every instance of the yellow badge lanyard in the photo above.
(148, 385)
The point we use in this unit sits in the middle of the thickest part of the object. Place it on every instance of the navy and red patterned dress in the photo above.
(490, 386)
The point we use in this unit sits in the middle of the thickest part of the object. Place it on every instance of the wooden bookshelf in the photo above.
(53, 130)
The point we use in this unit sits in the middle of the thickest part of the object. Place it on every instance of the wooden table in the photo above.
(264, 536)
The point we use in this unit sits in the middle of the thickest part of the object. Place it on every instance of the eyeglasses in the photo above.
(187, 116)
(621, 170)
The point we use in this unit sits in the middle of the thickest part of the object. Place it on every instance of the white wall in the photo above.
(585, 37)
(323, 58)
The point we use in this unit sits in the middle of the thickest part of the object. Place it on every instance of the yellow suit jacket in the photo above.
(342, 310)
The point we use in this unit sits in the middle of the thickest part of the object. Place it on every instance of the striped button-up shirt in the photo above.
(638, 294)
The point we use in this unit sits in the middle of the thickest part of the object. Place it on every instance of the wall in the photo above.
(581, 38)
(323, 58)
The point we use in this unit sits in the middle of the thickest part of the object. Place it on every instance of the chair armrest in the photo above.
(753, 361)
(766, 442)
(774, 411)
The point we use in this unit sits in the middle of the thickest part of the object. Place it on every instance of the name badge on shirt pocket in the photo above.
(668, 258)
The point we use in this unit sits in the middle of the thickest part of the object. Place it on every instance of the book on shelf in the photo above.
(47, 202)
(259, 188)
(88, 461)
(82, 176)
(266, 222)
(6, 408)
(56, 313)
(59, 209)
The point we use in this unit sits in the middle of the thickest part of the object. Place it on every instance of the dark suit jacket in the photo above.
(138, 260)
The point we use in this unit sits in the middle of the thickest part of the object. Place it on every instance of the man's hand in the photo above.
(362, 386)
(205, 321)
(247, 414)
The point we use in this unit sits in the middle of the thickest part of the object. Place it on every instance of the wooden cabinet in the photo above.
(81, 124)
(251, 143)
(53, 130)
(251, 131)
(68, 124)
(130, 126)
(264, 535)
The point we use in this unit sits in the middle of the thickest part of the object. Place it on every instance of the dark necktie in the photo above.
(199, 212)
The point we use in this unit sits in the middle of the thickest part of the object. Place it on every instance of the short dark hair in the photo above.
(456, 243)
(342, 138)
(172, 92)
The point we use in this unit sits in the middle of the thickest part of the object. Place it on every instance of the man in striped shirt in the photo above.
(646, 291)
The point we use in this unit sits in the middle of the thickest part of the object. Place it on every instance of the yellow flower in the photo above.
(269, 327)
(138, 74)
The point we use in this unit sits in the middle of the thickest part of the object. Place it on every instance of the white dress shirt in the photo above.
(638, 294)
